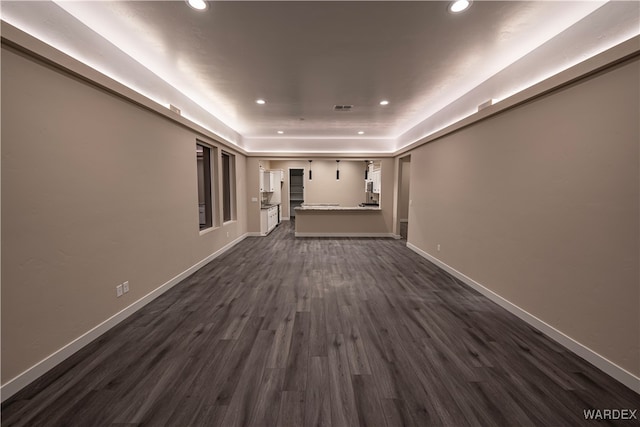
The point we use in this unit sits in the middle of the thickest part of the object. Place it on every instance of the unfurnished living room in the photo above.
(320, 213)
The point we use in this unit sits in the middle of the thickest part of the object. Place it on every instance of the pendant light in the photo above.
(366, 169)
(338, 170)
(310, 176)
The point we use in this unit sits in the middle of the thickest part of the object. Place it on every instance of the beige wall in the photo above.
(540, 204)
(265, 164)
(403, 198)
(324, 188)
(252, 195)
(95, 191)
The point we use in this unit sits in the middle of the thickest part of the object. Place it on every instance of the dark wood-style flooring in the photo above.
(319, 332)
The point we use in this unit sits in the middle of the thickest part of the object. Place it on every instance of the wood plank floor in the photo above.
(319, 332)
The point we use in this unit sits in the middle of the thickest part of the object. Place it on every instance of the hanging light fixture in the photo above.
(338, 170)
(366, 169)
(310, 176)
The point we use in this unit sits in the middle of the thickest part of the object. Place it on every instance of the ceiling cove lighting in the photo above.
(197, 4)
(459, 6)
(384, 102)
(261, 101)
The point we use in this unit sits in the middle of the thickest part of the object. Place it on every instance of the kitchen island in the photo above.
(332, 220)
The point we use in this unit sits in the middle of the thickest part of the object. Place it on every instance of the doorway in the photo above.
(404, 199)
(296, 190)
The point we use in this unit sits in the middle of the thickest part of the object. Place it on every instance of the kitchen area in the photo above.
(327, 197)
(271, 182)
(344, 200)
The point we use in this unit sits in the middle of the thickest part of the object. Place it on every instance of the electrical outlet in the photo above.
(438, 247)
(125, 287)
(119, 291)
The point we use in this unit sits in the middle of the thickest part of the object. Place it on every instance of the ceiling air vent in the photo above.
(342, 108)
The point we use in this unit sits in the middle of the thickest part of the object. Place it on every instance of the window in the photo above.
(205, 207)
(228, 187)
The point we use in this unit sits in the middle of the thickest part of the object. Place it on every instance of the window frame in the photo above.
(228, 184)
(207, 177)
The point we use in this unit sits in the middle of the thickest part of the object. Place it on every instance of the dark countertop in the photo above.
(269, 206)
(327, 208)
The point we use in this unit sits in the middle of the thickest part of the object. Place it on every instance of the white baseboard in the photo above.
(254, 234)
(605, 365)
(16, 384)
(303, 234)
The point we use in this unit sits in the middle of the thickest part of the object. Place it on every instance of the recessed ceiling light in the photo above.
(384, 102)
(280, 132)
(197, 4)
(361, 132)
(459, 6)
(261, 101)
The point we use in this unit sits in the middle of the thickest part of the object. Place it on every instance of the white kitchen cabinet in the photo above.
(375, 178)
(268, 219)
(264, 224)
(272, 219)
(268, 182)
(275, 197)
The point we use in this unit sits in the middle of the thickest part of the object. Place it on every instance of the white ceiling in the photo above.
(303, 57)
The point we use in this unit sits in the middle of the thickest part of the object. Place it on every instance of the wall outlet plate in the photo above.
(119, 291)
(125, 287)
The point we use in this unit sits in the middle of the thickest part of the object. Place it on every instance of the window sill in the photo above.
(207, 231)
